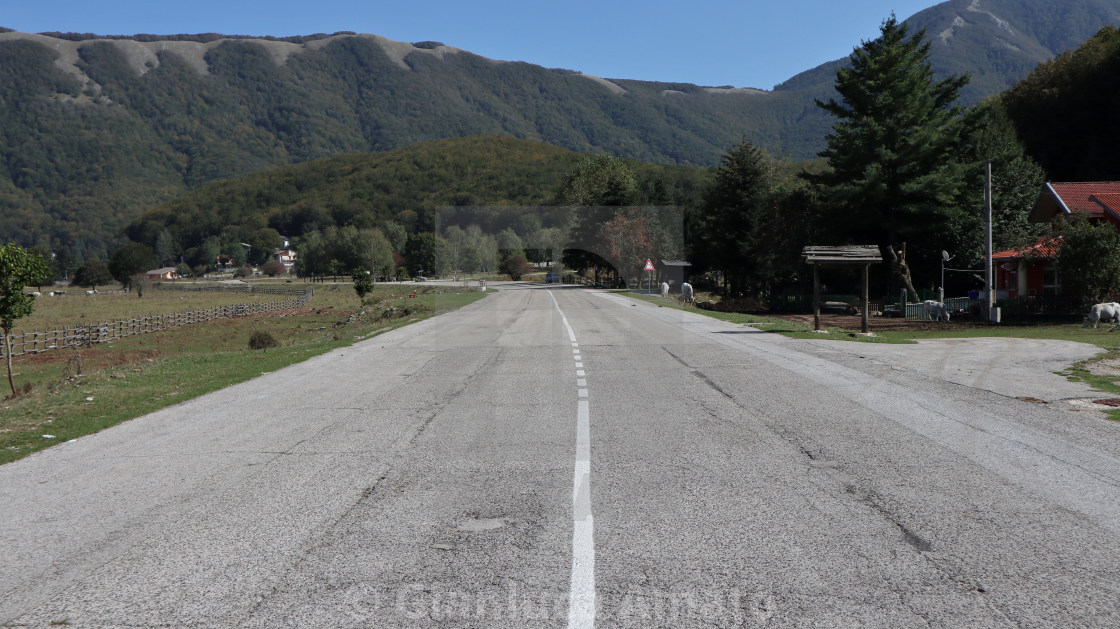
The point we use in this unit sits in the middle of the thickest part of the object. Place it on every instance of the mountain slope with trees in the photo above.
(94, 130)
(397, 192)
(1066, 111)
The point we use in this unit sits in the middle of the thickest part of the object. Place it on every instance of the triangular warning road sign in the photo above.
(649, 265)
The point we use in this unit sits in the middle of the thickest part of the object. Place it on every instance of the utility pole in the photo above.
(989, 287)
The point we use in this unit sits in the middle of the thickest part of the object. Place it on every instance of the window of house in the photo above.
(1051, 284)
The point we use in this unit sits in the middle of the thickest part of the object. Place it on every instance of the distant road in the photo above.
(555, 457)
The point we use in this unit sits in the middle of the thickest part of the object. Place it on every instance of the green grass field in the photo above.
(74, 393)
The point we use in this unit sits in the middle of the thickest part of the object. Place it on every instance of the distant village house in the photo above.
(157, 275)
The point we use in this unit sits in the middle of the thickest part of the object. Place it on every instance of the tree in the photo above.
(428, 252)
(895, 150)
(164, 248)
(510, 244)
(92, 273)
(597, 184)
(396, 233)
(629, 239)
(599, 180)
(336, 249)
(129, 260)
(18, 269)
(1016, 180)
(374, 252)
(515, 266)
(363, 282)
(1089, 260)
(262, 243)
(729, 230)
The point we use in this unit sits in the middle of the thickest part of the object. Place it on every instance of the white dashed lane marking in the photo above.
(581, 594)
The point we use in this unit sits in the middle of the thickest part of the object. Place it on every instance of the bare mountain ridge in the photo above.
(144, 55)
(997, 42)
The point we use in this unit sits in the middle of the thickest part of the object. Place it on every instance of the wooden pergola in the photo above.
(846, 256)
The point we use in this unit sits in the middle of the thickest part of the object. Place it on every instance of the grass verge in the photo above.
(776, 325)
(78, 393)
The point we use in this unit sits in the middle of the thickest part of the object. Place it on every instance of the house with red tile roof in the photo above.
(1100, 199)
(166, 273)
(1032, 270)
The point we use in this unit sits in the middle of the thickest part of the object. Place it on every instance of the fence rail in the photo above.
(87, 335)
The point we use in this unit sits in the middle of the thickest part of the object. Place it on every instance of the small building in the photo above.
(675, 272)
(1028, 271)
(157, 275)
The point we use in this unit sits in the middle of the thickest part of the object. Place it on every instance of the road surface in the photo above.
(561, 457)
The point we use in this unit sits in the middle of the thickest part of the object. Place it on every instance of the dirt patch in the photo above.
(1104, 367)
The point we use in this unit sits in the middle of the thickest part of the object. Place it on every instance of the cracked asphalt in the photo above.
(737, 479)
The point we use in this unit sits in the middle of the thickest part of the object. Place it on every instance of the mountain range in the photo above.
(93, 130)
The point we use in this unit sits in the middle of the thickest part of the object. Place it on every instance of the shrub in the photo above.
(273, 268)
(262, 341)
(515, 266)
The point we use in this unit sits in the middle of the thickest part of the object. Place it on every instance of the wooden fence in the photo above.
(94, 333)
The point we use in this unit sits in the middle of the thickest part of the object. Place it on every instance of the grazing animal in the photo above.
(664, 289)
(91, 292)
(935, 310)
(686, 293)
(1107, 312)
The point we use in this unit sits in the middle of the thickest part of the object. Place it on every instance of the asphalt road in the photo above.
(560, 457)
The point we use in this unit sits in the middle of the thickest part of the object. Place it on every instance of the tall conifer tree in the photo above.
(895, 148)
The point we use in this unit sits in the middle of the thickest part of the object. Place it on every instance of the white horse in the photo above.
(664, 289)
(935, 310)
(686, 293)
(1108, 312)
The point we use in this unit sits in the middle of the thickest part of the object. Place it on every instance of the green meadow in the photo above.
(75, 392)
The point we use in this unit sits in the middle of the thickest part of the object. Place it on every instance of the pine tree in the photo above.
(735, 208)
(895, 148)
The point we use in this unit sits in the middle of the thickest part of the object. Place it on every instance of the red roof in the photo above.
(1045, 247)
(1101, 199)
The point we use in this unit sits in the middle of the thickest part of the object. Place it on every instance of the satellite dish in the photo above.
(944, 255)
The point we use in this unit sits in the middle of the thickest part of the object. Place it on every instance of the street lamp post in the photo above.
(945, 257)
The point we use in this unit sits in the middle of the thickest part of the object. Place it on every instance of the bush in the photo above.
(515, 266)
(273, 268)
(262, 341)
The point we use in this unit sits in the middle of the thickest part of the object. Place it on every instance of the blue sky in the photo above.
(745, 43)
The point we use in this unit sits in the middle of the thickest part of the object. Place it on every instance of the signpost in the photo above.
(649, 267)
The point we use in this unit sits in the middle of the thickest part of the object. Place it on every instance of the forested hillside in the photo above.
(1067, 112)
(404, 187)
(95, 130)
